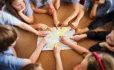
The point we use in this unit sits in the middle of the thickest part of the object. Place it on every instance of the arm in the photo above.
(93, 12)
(59, 65)
(37, 10)
(54, 13)
(33, 58)
(57, 4)
(77, 48)
(75, 12)
(28, 19)
(27, 27)
(30, 29)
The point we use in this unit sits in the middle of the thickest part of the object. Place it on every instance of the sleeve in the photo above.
(104, 9)
(87, 3)
(29, 10)
(74, 1)
(11, 61)
(14, 62)
(100, 35)
(8, 19)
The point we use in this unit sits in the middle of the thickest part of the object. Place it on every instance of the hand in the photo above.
(105, 44)
(43, 27)
(50, 12)
(57, 23)
(43, 42)
(65, 23)
(64, 40)
(22, 10)
(56, 50)
(74, 25)
(42, 33)
(77, 37)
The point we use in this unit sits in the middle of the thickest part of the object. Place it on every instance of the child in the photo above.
(107, 38)
(38, 66)
(100, 21)
(92, 60)
(20, 9)
(37, 4)
(77, 13)
(99, 8)
(8, 19)
(8, 57)
(96, 8)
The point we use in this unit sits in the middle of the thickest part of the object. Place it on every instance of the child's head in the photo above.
(96, 61)
(13, 6)
(110, 38)
(8, 37)
(18, 4)
(32, 67)
(1, 3)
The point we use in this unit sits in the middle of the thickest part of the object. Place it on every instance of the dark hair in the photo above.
(10, 8)
(31, 67)
(106, 59)
(2, 3)
(7, 37)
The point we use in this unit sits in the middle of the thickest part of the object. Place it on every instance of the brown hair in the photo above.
(7, 37)
(106, 59)
(10, 8)
(31, 67)
(1, 3)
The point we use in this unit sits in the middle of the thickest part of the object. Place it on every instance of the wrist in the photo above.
(57, 55)
(95, 4)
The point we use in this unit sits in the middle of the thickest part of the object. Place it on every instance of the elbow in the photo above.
(30, 21)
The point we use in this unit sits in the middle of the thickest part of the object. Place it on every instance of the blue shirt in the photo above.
(102, 9)
(9, 62)
(71, 1)
(40, 4)
(28, 9)
(8, 19)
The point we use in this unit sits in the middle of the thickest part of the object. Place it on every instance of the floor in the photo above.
(26, 42)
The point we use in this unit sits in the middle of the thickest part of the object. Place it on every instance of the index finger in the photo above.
(48, 28)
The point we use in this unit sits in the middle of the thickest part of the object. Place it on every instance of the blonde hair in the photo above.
(107, 61)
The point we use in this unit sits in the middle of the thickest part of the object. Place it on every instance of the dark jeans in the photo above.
(100, 21)
(98, 48)
(99, 36)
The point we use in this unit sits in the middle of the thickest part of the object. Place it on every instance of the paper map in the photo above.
(53, 38)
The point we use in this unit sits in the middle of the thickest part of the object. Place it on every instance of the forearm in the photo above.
(36, 54)
(78, 48)
(26, 18)
(27, 27)
(75, 12)
(37, 10)
(93, 12)
(53, 11)
(59, 65)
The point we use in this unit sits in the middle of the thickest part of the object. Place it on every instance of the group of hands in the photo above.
(56, 49)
